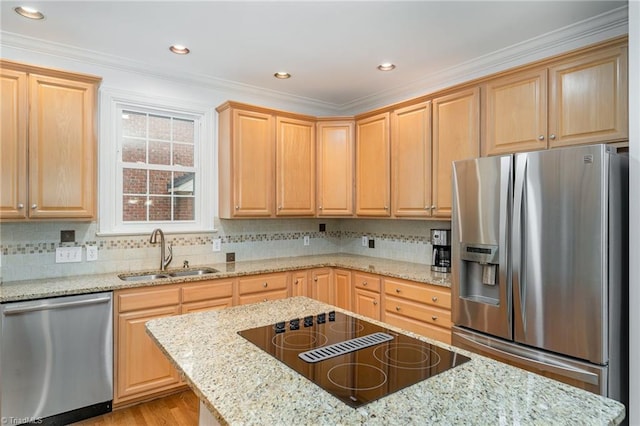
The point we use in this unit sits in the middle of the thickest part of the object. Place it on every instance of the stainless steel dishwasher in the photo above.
(56, 359)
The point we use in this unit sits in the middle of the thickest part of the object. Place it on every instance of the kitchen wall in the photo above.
(28, 249)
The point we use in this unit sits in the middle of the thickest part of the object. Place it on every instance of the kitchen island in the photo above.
(239, 383)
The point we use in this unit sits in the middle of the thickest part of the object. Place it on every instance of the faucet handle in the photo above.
(166, 261)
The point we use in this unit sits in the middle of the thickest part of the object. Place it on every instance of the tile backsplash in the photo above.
(27, 250)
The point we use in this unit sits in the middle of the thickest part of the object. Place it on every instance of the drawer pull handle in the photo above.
(264, 300)
(397, 290)
(265, 285)
(434, 298)
(315, 279)
(375, 302)
(398, 308)
(433, 317)
(364, 283)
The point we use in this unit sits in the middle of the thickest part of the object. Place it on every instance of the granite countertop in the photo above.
(241, 384)
(53, 287)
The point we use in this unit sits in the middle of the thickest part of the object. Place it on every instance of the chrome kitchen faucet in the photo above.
(164, 262)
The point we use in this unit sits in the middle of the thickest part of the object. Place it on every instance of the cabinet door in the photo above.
(299, 283)
(335, 168)
(13, 145)
(373, 166)
(322, 285)
(62, 148)
(411, 160)
(295, 167)
(515, 113)
(367, 303)
(588, 98)
(342, 288)
(253, 161)
(141, 368)
(456, 123)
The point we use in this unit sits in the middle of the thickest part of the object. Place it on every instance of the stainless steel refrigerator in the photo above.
(540, 263)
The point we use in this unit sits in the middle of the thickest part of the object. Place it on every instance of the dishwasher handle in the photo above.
(17, 310)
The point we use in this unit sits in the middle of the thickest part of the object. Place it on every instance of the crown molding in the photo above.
(581, 34)
(593, 30)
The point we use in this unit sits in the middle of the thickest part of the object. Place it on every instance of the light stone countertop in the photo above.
(53, 287)
(242, 385)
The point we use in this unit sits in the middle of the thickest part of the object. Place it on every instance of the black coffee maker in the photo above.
(441, 242)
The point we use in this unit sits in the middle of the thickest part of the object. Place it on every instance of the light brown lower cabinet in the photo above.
(142, 370)
(322, 285)
(366, 294)
(207, 295)
(422, 308)
(299, 283)
(262, 288)
(342, 288)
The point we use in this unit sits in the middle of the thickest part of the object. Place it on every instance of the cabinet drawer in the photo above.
(267, 282)
(431, 331)
(207, 290)
(206, 305)
(131, 300)
(421, 293)
(263, 297)
(367, 281)
(418, 311)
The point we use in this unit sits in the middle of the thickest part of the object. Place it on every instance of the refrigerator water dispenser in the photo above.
(478, 266)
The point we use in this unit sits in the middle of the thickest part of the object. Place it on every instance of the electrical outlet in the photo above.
(231, 257)
(322, 227)
(372, 243)
(68, 254)
(217, 244)
(92, 253)
(365, 241)
(306, 240)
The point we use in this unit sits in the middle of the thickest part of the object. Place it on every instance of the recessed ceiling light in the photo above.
(179, 49)
(29, 12)
(387, 66)
(282, 75)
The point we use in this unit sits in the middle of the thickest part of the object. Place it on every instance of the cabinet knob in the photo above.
(375, 302)
(20, 206)
(433, 207)
(296, 283)
(397, 290)
(434, 298)
(315, 278)
(386, 207)
(237, 207)
(398, 308)
(34, 206)
(364, 283)
(541, 137)
(265, 285)
(264, 300)
(552, 136)
(433, 317)
(279, 207)
(319, 207)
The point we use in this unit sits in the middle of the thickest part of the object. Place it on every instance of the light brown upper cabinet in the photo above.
(373, 166)
(48, 143)
(515, 113)
(456, 136)
(411, 161)
(246, 154)
(335, 168)
(295, 167)
(576, 100)
(588, 98)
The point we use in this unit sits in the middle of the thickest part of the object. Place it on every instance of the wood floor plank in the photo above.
(179, 409)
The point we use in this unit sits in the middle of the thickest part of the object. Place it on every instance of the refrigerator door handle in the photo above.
(517, 238)
(510, 353)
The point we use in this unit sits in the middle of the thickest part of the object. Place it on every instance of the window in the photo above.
(160, 167)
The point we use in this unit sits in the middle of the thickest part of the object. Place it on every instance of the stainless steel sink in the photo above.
(142, 277)
(150, 276)
(192, 272)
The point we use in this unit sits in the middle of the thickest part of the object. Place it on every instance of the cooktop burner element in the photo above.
(354, 360)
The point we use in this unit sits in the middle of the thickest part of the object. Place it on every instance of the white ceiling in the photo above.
(331, 48)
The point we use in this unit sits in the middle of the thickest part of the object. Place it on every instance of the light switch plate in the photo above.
(306, 240)
(217, 244)
(92, 253)
(68, 254)
(365, 241)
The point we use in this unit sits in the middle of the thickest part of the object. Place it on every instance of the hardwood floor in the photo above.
(180, 409)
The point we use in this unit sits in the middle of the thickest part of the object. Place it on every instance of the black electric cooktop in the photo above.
(352, 359)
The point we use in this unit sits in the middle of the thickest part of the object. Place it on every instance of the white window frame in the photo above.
(110, 177)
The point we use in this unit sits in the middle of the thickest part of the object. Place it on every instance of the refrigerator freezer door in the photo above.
(560, 251)
(481, 278)
(591, 377)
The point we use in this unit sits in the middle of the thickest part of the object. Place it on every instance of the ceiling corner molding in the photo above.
(581, 34)
(118, 63)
